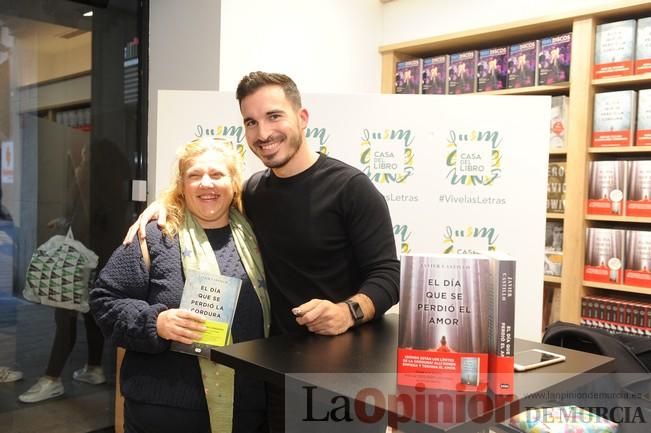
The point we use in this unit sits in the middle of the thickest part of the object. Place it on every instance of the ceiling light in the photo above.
(88, 14)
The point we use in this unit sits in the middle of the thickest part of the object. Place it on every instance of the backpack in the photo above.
(599, 342)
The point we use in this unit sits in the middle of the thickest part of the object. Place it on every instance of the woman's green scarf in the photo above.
(197, 254)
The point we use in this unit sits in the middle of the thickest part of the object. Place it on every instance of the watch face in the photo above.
(355, 310)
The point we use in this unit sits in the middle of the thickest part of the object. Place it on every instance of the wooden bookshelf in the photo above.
(622, 150)
(619, 219)
(552, 279)
(618, 287)
(581, 89)
(554, 89)
(628, 82)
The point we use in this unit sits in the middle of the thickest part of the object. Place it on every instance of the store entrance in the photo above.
(71, 136)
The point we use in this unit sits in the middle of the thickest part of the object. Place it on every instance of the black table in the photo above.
(360, 365)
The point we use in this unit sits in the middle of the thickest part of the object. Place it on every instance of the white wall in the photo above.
(325, 46)
(183, 55)
(405, 20)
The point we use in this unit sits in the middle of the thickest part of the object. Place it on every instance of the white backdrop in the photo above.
(460, 173)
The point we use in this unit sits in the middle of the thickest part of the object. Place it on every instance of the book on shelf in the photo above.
(643, 46)
(443, 321)
(638, 188)
(408, 77)
(643, 134)
(560, 119)
(556, 187)
(604, 255)
(614, 52)
(614, 118)
(606, 187)
(434, 79)
(628, 315)
(637, 262)
(491, 69)
(554, 248)
(521, 65)
(501, 322)
(461, 73)
(214, 297)
(554, 59)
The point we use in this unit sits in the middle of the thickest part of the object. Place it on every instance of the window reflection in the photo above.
(69, 126)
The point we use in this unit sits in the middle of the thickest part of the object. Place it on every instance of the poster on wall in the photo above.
(460, 174)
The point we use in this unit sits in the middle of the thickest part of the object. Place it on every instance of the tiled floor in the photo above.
(26, 332)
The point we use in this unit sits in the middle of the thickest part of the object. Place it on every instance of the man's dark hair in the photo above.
(250, 83)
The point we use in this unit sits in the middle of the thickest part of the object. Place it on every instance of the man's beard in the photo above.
(294, 143)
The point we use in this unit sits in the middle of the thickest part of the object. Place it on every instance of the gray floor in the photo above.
(26, 333)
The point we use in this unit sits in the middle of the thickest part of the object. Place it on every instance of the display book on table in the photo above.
(457, 322)
(214, 297)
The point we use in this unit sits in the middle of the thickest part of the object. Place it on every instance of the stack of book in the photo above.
(623, 48)
(617, 314)
(618, 256)
(457, 316)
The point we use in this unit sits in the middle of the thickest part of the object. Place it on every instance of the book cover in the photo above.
(408, 77)
(638, 188)
(491, 69)
(643, 134)
(614, 118)
(556, 187)
(214, 297)
(461, 73)
(606, 187)
(560, 119)
(521, 65)
(434, 78)
(643, 46)
(614, 52)
(554, 59)
(554, 248)
(443, 332)
(637, 263)
(501, 322)
(604, 255)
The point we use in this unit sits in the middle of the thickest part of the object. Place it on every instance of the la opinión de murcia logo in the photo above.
(474, 157)
(387, 156)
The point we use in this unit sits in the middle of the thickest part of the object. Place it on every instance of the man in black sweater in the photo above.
(324, 230)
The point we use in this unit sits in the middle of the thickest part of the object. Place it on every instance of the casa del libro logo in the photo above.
(233, 133)
(387, 156)
(474, 157)
(469, 240)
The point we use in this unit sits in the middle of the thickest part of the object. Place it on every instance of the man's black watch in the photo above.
(355, 311)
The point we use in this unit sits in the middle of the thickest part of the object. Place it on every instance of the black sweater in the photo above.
(126, 302)
(325, 233)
